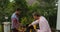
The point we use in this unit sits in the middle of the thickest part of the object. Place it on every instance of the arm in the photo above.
(15, 23)
(35, 22)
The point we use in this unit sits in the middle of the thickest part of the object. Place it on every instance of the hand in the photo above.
(29, 25)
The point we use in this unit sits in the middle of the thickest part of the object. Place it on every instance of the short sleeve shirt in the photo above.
(14, 20)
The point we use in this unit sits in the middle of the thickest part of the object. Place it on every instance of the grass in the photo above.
(0, 28)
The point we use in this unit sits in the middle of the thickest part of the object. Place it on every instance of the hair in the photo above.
(18, 9)
(36, 14)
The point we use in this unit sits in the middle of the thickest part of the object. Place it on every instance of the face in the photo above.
(35, 17)
(18, 12)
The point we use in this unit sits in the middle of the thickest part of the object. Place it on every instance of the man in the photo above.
(15, 20)
(43, 23)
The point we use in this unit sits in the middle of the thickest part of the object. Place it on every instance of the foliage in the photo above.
(3, 5)
(46, 7)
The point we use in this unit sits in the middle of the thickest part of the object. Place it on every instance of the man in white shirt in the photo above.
(43, 23)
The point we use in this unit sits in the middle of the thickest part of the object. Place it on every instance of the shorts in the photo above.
(15, 30)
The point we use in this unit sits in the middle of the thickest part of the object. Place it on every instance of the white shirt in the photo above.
(43, 24)
(13, 19)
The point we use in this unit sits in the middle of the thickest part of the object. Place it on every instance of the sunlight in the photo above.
(11, 0)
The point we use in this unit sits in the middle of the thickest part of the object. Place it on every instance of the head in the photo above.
(36, 15)
(18, 11)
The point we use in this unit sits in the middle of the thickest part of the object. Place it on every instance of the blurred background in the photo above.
(48, 8)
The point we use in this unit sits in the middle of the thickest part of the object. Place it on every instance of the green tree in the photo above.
(3, 5)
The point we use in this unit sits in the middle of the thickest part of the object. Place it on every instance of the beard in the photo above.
(17, 14)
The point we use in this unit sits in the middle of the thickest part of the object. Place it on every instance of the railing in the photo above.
(53, 30)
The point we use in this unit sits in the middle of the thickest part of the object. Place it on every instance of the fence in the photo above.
(26, 29)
